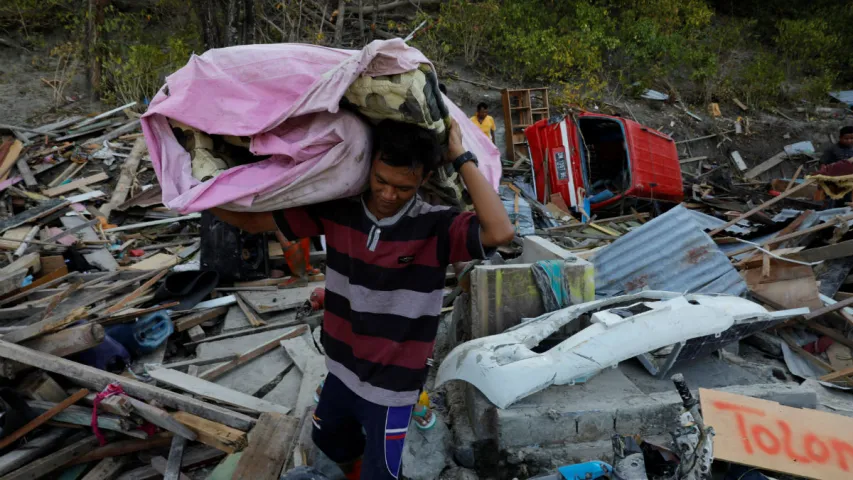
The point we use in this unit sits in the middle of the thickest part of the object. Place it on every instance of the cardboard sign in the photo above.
(767, 435)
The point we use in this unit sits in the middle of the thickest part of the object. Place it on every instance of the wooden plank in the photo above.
(160, 417)
(156, 262)
(199, 361)
(35, 448)
(96, 379)
(213, 434)
(26, 173)
(41, 419)
(839, 375)
(176, 454)
(249, 355)
(78, 415)
(207, 389)
(828, 309)
(30, 261)
(196, 333)
(193, 319)
(782, 238)
(763, 434)
(829, 252)
(135, 294)
(30, 236)
(33, 214)
(313, 369)
(159, 464)
(193, 457)
(45, 465)
(766, 165)
(251, 317)
(10, 159)
(241, 333)
(125, 447)
(163, 221)
(271, 442)
(46, 326)
(108, 468)
(761, 207)
(128, 173)
(71, 186)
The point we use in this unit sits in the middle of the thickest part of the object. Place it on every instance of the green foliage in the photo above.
(760, 81)
(136, 73)
(466, 25)
(28, 16)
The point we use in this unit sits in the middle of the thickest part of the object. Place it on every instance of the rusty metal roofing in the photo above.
(672, 253)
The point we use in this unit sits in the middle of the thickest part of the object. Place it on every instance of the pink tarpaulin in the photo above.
(285, 98)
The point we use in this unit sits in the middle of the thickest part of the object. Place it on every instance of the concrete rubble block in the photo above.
(426, 452)
(590, 413)
(502, 295)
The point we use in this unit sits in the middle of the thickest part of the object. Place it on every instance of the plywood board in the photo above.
(14, 234)
(764, 434)
(789, 285)
(156, 262)
(253, 376)
(207, 389)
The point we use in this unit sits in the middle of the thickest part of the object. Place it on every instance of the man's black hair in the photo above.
(846, 130)
(482, 105)
(406, 145)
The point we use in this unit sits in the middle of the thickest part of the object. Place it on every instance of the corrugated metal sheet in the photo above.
(844, 96)
(672, 253)
(824, 216)
(707, 223)
(786, 214)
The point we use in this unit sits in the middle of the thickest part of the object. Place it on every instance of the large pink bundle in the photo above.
(285, 97)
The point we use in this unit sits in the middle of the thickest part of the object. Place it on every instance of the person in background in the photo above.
(843, 150)
(485, 121)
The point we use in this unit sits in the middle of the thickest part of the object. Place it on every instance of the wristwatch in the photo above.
(463, 159)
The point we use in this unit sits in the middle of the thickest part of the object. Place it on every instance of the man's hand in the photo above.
(454, 143)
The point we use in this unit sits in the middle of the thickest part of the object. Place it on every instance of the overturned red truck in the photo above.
(594, 161)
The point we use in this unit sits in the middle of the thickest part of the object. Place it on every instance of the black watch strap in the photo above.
(463, 159)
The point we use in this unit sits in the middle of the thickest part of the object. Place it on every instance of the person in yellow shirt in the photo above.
(484, 121)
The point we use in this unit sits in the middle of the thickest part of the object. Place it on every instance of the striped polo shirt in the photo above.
(384, 287)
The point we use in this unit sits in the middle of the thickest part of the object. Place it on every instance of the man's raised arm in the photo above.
(252, 222)
(495, 227)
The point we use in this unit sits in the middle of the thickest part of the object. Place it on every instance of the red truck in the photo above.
(594, 161)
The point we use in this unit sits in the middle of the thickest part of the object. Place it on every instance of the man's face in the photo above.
(846, 140)
(391, 187)
(481, 113)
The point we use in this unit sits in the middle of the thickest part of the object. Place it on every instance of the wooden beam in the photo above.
(136, 293)
(256, 352)
(46, 326)
(159, 464)
(271, 442)
(176, 453)
(828, 309)
(35, 448)
(829, 252)
(128, 173)
(761, 207)
(160, 417)
(97, 379)
(107, 469)
(45, 465)
(152, 223)
(199, 361)
(193, 457)
(71, 186)
(245, 331)
(10, 159)
(193, 319)
(213, 434)
(766, 165)
(41, 419)
(207, 389)
(254, 320)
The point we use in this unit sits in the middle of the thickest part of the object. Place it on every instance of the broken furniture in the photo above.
(522, 108)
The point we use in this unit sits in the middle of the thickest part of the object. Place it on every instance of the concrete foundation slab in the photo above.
(608, 403)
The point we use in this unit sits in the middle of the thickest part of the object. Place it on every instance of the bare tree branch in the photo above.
(391, 6)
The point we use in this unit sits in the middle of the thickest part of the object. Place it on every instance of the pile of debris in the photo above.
(120, 357)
